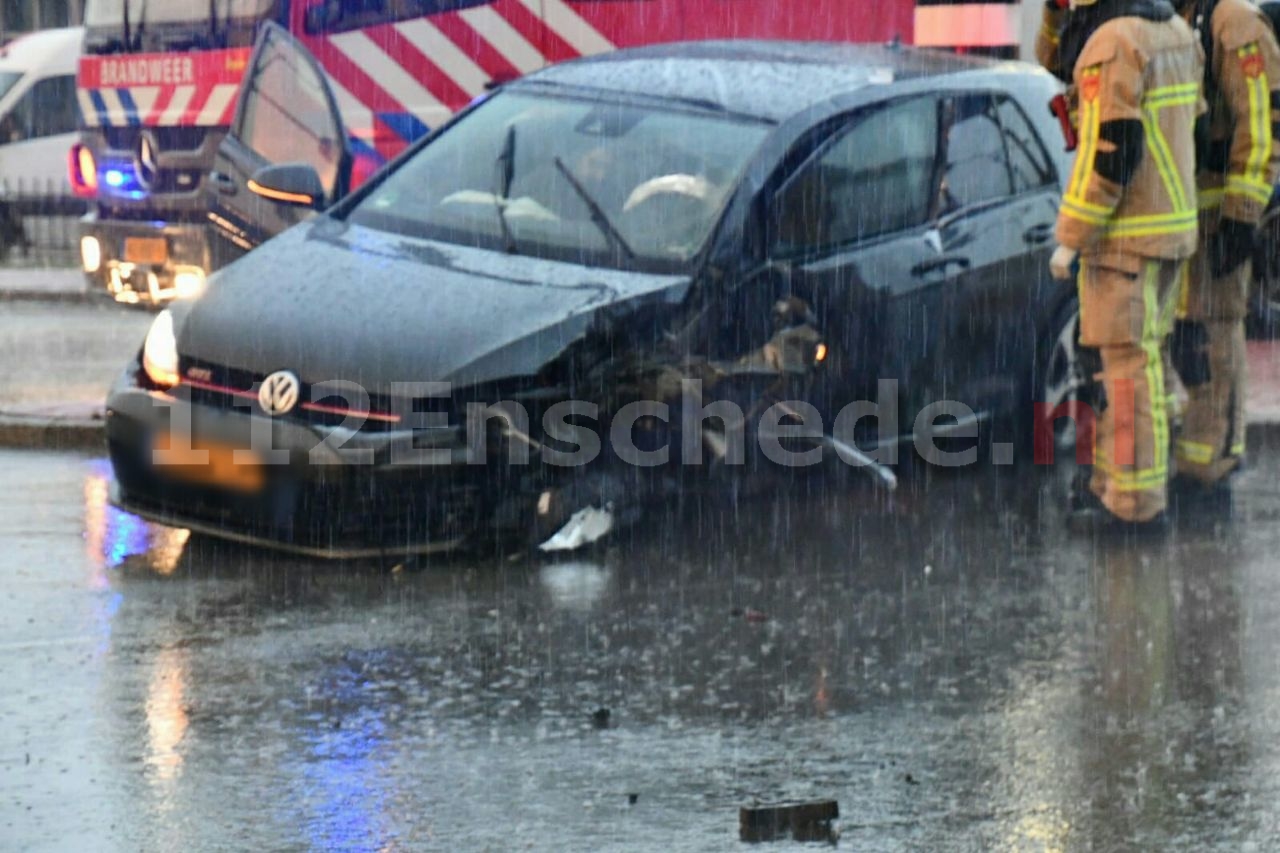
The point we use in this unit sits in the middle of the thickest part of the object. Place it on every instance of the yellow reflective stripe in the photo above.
(1191, 90)
(1089, 126)
(1211, 198)
(1195, 452)
(1237, 449)
(1073, 208)
(1131, 481)
(1259, 191)
(1090, 207)
(1125, 482)
(1164, 158)
(1259, 125)
(1151, 341)
(1184, 291)
(1143, 226)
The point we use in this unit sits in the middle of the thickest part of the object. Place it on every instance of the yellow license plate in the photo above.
(146, 250)
(208, 464)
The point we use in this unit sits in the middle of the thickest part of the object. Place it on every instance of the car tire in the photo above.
(1065, 373)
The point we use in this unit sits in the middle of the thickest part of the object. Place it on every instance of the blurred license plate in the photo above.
(208, 464)
(146, 250)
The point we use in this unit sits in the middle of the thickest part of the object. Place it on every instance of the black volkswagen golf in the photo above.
(612, 281)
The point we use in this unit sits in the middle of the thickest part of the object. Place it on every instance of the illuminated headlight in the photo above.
(188, 282)
(90, 253)
(160, 352)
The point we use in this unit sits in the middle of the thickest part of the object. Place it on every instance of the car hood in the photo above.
(330, 301)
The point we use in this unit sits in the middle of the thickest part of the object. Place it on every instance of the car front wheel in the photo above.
(1066, 378)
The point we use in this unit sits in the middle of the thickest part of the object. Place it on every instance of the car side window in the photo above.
(1028, 160)
(976, 168)
(47, 109)
(875, 178)
(287, 116)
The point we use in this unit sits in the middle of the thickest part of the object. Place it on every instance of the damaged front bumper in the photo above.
(305, 494)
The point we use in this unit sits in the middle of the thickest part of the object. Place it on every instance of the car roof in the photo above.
(45, 51)
(767, 79)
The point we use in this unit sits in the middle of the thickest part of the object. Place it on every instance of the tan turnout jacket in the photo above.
(1243, 159)
(1133, 68)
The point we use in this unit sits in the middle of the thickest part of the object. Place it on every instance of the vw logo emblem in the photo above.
(145, 167)
(279, 393)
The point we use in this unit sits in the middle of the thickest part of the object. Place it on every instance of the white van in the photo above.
(38, 111)
(39, 119)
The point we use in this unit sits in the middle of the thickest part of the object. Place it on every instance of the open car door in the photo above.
(286, 155)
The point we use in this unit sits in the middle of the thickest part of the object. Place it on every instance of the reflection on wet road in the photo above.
(953, 668)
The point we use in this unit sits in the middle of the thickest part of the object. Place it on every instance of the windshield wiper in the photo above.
(505, 173)
(135, 45)
(124, 24)
(598, 216)
(213, 23)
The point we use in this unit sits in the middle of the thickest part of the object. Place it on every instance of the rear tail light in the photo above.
(82, 171)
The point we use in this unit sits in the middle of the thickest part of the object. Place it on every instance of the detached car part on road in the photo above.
(754, 223)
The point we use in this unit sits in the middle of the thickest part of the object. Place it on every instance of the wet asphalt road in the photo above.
(954, 669)
(65, 352)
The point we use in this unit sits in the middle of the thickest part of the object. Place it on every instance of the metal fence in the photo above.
(38, 224)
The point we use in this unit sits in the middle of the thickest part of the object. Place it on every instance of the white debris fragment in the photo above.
(584, 527)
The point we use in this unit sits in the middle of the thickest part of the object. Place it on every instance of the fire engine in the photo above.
(181, 100)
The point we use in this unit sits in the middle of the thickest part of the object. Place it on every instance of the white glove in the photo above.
(1060, 263)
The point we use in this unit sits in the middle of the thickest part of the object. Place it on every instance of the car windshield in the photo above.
(600, 182)
(109, 13)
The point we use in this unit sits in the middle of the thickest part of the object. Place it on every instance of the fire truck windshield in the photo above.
(109, 13)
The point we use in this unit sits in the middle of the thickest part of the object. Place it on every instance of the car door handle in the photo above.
(940, 265)
(1038, 233)
(225, 184)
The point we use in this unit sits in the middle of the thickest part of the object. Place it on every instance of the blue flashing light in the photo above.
(113, 178)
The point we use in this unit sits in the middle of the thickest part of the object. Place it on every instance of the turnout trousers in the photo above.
(1210, 360)
(1128, 316)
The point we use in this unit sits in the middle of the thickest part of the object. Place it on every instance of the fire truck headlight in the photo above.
(90, 253)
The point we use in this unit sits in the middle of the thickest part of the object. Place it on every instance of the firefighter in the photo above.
(1238, 167)
(1129, 217)
(1053, 19)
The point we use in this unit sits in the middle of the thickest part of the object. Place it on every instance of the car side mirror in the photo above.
(289, 183)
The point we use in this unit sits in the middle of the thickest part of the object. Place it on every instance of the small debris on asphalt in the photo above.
(753, 616)
(585, 526)
(812, 821)
(911, 780)
(632, 799)
(600, 719)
